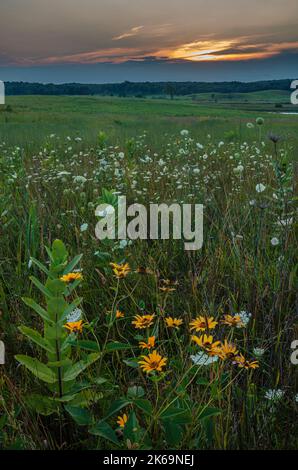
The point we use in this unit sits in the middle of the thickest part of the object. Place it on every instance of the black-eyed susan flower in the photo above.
(119, 314)
(206, 342)
(244, 363)
(233, 320)
(120, 270)
(173, 322)
(150, 343)
(203, 323)
(152, 362)
(70, 277)
(122, 420)
(202, 340)
(74, 326)
(143, 321)
(228, 350)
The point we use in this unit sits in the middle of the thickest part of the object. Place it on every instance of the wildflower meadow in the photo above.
(141, 344)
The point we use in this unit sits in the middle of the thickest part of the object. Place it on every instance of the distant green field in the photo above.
(28, 120)
(265, 97)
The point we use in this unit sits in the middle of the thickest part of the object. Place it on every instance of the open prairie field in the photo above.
(141, 344)
(31, 119)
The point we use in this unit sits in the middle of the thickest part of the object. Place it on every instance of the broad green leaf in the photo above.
(135, 392)
(85, 398)
(36, 338)
(173, 433)
(177, 415)
(81, 416)
(89, 345)
(62, 363)
(41, 404)
(41, 287)
(37, 368)
(116, 346)
(40, 266)
(116, 406)
(66, 398)
(67, 343)
(132, 429)
(49, 253)
(37, 308)
(59, 252)
(54, 332)
(56, 307)
(144, 405)
(69, 268)
(104, 430)
(207, 412)
(77, 368)
(100, 380)
(56, 287)
(132, 362)
(56, 270)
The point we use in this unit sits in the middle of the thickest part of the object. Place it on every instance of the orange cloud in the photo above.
(197, 51)
(234, 49)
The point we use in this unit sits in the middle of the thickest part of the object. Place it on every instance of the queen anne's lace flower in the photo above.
(274, 394)
(202, 359)
(260, 188)
(74, 316)
(245, 317)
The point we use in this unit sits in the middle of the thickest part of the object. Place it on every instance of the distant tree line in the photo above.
(143, 89)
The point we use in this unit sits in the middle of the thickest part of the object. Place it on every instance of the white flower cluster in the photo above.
(274, 395)
(202, 359)
(245, 317)
(258, 351)
(74, 316)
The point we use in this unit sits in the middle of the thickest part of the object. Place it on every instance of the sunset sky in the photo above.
(115, 40)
